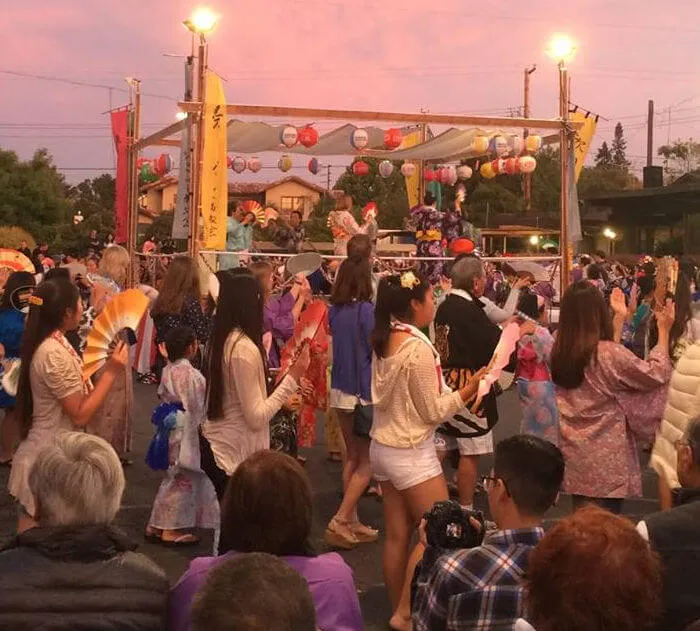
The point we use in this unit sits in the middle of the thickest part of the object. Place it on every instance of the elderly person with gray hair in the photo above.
(675, 536)
(74, 570)
(466, 338)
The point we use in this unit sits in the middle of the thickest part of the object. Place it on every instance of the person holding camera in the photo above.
(482, 587)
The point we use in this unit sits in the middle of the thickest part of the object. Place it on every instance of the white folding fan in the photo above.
(124, 311)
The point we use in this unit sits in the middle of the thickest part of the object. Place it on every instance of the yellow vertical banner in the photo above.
(413, 182)
(214, 183)
(584, 137)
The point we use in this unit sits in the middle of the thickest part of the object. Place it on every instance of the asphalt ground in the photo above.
(365, 560)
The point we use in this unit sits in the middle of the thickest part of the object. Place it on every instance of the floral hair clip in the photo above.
(35, 300)
(409, 280)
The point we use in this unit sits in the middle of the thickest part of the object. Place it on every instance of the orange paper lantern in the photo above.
(393, 138)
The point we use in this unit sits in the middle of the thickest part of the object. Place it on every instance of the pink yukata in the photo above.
(186, 497)
(620, 402)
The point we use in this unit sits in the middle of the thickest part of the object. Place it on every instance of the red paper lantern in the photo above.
(163, 164)
(360, 168)
(308, 136)
(512, 166)
(429, 175)
(393, 138)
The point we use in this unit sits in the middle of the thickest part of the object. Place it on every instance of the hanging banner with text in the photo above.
(214, 183)
(120, 132)
(584, 137)
(181, 218)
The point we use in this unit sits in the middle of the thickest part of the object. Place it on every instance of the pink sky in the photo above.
(447, 56)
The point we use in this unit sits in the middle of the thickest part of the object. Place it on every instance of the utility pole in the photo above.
(650, 134)
(527, 183)
(421, 164)
(328, 178)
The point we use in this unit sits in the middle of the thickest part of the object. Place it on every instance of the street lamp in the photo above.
(78, 218)
(561, 48)
(611, 235)
(180, 116)
(202, 21)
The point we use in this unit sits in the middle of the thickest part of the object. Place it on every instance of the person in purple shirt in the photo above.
(268, 508)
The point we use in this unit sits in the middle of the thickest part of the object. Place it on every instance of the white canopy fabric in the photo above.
(451, 145)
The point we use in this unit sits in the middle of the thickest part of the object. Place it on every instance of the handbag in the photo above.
(362, 414)
(165, 419)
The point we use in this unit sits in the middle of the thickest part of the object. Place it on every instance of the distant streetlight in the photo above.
(78, 218)
(202, 21)
(611, 235)
(561, 48)
(534, 239)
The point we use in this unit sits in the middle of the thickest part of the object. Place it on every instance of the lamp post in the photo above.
(562, 49)
(611, 235)
(202, 22)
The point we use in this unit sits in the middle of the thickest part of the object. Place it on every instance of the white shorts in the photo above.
(344, 401)
(404, 468)
(467, 446)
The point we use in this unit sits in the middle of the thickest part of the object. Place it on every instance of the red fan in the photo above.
(251, 206)
(16, 261)
(312, 329)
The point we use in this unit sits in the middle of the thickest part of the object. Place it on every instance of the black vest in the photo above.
(675, 535)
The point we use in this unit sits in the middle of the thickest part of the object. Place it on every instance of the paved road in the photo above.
(365, 560)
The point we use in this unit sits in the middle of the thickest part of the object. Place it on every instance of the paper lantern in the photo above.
(439, 174)
(487, 171)
(429, 175)
(500, 146)
(238, 164)
(408, 169)
(284, 163)
(480, 145)
(140, 162)
(516, 145)
(254, 164)
(360, 168)
(289, 136)
(533, 143)
(450, 177)
(386, 168)
(359, 139)
(462, 246)
(393, 138)
(308, 136)
(464, 172)
(527, 164)
(146, 173)
(512, 166)
(313, 166)
(229, 162)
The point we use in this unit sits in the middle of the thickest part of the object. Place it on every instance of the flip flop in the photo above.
(182, 541)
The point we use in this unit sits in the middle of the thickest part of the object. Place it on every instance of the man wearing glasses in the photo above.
(675, 535)
(481, 588)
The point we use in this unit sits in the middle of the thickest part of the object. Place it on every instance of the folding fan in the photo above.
(251, 206)
(124, 311)
(16, 261)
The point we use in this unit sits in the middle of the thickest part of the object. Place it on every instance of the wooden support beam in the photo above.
(162, 134)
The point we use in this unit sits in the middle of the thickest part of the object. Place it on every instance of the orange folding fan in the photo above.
(16, 261)
(124, 311)
(251, 206)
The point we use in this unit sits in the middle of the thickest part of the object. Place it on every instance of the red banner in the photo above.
(120, 131)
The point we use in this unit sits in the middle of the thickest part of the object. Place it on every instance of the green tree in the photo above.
(680, 157)
(619, 149)
(600, 180)
(317, 226)
(603, 158)
(32, 194)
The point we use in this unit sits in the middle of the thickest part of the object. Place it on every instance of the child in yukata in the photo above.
(538, 400)
(186, 497)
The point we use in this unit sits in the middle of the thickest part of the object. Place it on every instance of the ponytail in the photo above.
(394, 302)
(51, 301)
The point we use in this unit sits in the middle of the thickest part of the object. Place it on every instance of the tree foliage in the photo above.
(680, 157)
(603, 158)
(600, 180)
(32, 194)
(619, 149)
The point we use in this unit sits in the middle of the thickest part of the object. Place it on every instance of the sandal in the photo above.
(339, 535)
(364, 534)
(180, 542)
(151, 535)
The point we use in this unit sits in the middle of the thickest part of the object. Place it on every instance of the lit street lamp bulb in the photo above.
(203, 20)
(534, 239)
(181, 116)
(609, 234)
(561, 48)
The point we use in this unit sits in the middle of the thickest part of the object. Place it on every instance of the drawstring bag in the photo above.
(165, 419)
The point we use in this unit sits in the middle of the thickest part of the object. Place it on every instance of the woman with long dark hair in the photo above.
(239, 407)
(13, 308)
(351, 320)
(268, 508)
(608, 398)
(410, 400)
(179, 304)
(52, 395)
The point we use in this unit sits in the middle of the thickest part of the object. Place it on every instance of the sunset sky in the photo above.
(404, 55)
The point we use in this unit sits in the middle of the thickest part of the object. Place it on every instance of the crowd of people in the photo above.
(412, 401)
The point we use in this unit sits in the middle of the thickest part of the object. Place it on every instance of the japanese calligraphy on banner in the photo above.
(584, 137)
(214, 183)
(181, 220)
(120, 132)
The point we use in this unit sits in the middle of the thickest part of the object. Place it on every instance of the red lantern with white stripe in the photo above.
(527, 164)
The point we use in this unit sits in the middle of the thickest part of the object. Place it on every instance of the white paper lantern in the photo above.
(464, 172)
(450, 177)
(284, 163)
(359, 139)
(408, 169)
(516, 146)
(238, 164)
(386, 168)
(254, 164)
(500, 146)
(290, 136)
(527, 164)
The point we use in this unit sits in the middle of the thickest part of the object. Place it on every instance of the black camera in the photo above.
(447, 526)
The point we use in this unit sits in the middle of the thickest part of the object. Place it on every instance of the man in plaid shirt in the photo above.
(481, 588)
